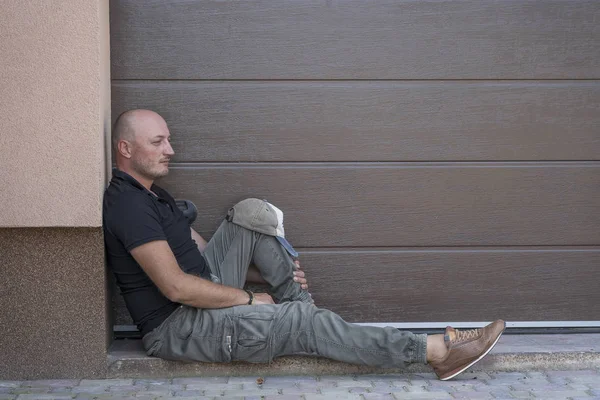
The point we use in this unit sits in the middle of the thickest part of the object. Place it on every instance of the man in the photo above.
(186, 296)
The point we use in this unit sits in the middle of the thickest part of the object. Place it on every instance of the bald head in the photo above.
(141, 141)
(132, 121)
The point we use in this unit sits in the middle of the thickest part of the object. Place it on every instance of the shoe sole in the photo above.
(477, 360)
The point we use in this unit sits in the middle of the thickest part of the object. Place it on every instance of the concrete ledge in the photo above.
(513, 353)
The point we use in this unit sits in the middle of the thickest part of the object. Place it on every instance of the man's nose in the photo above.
(169, 150)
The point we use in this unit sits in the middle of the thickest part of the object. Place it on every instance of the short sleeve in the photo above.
(134, 220)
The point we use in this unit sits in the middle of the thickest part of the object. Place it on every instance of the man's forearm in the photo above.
(202, 293)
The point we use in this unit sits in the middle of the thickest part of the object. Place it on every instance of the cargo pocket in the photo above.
(251, 337)
(182, 322)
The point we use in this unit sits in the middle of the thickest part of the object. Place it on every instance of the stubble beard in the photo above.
(149, 170)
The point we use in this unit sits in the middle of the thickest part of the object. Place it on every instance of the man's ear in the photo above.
(124, 148)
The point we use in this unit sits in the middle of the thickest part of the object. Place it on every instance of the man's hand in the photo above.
(262, 298)
(299, 276)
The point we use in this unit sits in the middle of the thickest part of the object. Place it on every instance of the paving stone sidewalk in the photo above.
(582, 384)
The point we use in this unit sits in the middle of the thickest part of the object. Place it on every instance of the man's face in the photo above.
(152, 149)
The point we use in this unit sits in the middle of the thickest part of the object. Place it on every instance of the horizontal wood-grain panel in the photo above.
(373, 121)
(452, 285)
(424, 286)
(411, 204)
(355, 39)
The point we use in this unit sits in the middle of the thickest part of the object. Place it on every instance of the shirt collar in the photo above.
(117, 173)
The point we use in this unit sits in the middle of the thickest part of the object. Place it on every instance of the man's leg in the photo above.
(233, 248)
(260, 333)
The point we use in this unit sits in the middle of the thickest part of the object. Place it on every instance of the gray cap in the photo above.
(261, 216)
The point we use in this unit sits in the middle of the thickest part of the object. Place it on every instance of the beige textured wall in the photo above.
(54, 112)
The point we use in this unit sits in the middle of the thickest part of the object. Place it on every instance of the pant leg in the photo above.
(229, 253)
(302, 329)
(233, 248)
(263, 332)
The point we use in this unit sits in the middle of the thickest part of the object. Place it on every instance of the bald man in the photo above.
(186, 296)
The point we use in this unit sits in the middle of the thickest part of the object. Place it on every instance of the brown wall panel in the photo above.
(394, 204)
(436, 284)
(373, 121)
(355, 39)
(463, 285)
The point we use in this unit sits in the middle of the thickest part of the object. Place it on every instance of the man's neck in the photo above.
(145, 182)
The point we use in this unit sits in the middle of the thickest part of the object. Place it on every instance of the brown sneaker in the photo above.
(466, 347)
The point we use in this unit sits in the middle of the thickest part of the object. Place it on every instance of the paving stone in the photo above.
(39, 396)
(126, 388)
(106, 382)
(506, 377)
(212, 386)
(213, 392)
(52, 383)
(286, 379)
(471, 395)
(387, 385)
(257, 392)
(434, 389)
(276, 385)
(333, 396)
(6, 396)
(578, 386)
(358, 390)
(574, 374)
(284, 397)
(472, 386)
(349, 384)
(189, 393)
(159, 382)
(89, 389)
(466, 376)
(567, 394)
(11, 384)
(144, 396)
(379, 396)
(500, 393)
(295, 390)
(200, 380)
(337, 378)
(153, 393)
(521, 394)
(416, 389)
(230, 398)
(537, 375)
(424, 396)
(419, 382)
(315, 385)
(31, 390)
(243, 379)
(537, 387)
(160, 388)
(424, 376)
(188, 398)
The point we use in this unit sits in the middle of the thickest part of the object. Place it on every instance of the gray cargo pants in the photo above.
(259, 333)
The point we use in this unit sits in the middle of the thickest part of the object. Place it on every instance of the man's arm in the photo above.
(199, 240)
(158, 261)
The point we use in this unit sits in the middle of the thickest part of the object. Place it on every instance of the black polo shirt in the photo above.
(132, 216)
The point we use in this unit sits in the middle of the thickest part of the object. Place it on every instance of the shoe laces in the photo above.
(469, 334)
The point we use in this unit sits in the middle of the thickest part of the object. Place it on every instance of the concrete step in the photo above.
(512, 353)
